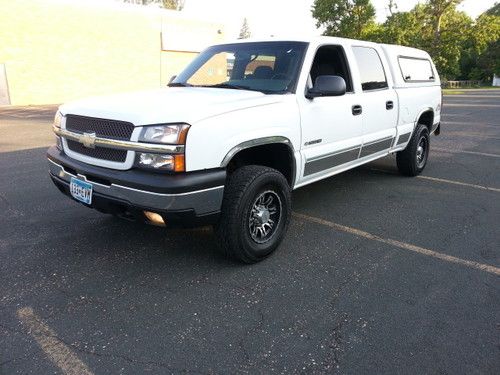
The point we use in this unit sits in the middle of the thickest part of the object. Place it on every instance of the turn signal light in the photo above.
(179, 163)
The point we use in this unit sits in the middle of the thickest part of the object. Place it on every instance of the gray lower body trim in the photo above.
(201, 201)
(330, 161)
(403, 138)
(377, 146)
(342, 157)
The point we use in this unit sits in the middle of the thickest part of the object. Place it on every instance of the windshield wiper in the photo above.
(179, 84)
(227, 86)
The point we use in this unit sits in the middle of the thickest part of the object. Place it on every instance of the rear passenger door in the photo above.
(378, 100)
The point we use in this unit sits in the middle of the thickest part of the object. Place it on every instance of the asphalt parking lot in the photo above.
(379, 273)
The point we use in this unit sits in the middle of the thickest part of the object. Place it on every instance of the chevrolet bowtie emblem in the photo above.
(88, 140)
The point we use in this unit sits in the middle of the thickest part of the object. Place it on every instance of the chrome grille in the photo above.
(101, 127)
(98, 152)
(104, 128)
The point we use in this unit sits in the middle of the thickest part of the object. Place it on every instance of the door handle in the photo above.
(389, 105)
(357, 110)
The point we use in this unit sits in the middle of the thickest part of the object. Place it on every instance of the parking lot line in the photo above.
(435, 179)
(465, 152)
(57, 351)
(402, 245)
(462, 133)
(470, 105)
(470, 96)
(459, 183)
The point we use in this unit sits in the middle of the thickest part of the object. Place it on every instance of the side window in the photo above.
(370, 68)
(414, 69)
(331, 60)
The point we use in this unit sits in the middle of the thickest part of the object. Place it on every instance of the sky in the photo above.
(290, 17)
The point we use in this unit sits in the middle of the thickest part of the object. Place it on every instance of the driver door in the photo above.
(331, 126)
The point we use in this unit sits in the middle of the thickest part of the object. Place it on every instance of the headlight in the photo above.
(174, 163)
(174, 134)
(58, 119)
(57, 124)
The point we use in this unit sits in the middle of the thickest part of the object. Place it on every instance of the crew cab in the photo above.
(243, 125)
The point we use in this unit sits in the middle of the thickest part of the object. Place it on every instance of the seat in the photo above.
(263, 72)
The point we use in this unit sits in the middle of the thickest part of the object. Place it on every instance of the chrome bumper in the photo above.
(201, 201)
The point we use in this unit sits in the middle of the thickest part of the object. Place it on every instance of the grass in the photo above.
(452, 92)
(463, 90)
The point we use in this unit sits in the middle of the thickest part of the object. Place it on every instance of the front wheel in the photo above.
(412, 160)
(256, 211)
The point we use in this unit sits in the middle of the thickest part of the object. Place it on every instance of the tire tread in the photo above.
(237, 185)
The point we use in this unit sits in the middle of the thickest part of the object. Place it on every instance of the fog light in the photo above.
(154, 218)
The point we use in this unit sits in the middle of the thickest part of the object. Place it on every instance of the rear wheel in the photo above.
(255, 213)
(412, 160)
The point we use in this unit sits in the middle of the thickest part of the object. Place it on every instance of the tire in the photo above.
(412, 160)
(254, 197)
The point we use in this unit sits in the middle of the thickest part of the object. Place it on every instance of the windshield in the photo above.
(269, 67)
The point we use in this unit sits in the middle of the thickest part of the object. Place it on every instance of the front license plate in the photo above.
(81, 190)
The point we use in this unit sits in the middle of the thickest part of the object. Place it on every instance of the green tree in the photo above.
(435, 26)
(480, 58)
(460, 47)
(345, 18)
(448, 49)
(494, 10)
(245, 30)
(438, 9)
(168, 4)
(173, 4)
(401, 28)
(488, 63)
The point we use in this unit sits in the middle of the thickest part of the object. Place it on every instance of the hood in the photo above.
(168, 105)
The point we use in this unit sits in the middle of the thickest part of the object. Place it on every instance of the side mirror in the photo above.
(327, 86)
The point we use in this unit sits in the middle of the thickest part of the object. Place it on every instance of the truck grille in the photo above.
(102, 128)
(98, 152)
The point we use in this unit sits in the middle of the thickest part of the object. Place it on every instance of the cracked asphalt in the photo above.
(127, 298)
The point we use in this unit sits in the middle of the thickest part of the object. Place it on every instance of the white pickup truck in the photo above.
(242, 126)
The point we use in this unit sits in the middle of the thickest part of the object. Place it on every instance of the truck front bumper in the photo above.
(187, 199)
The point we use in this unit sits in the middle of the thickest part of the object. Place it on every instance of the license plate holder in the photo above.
(81, 190)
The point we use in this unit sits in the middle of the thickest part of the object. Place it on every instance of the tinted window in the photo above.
(330, 60)
(370, 68)
(270, 67)
(416, 69)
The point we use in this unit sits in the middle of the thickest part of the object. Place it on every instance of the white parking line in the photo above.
(465, 152)
(459, 133)
(402, 245)
(458, 183)
(435, 179)
(466, 105)
(469, 124)
(451, 96)
(58, 352)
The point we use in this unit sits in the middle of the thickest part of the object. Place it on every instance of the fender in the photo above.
(428, 109)
(263, 141)
(256, 142)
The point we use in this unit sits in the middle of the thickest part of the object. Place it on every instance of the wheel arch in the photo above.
(275, 152)
(425, 117)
